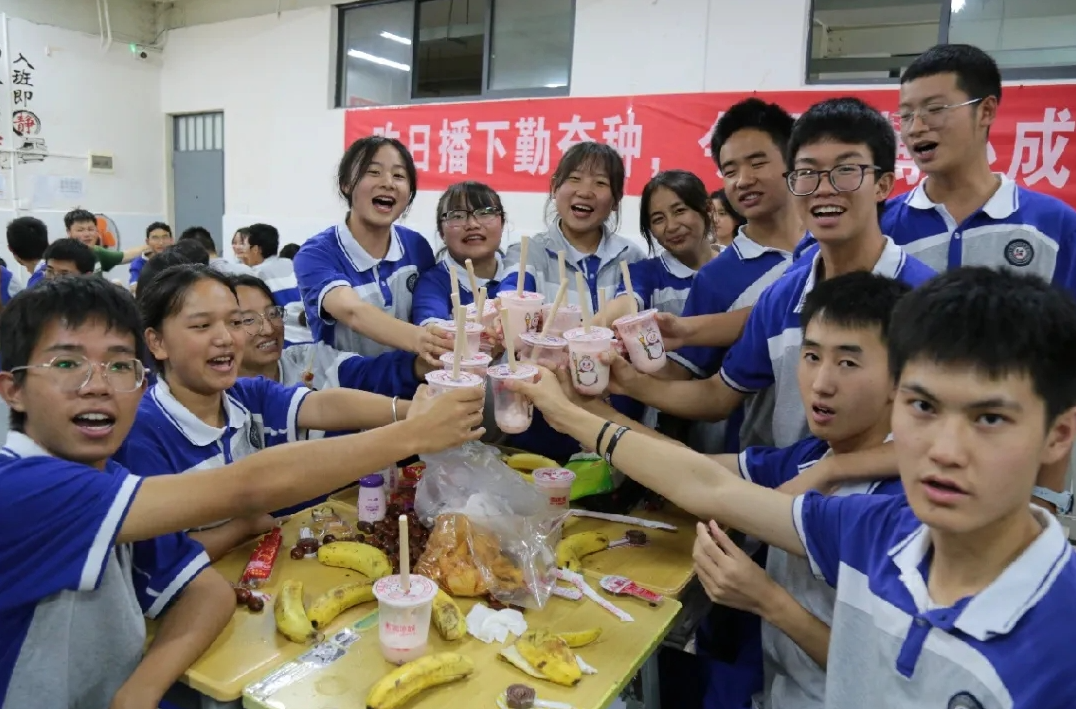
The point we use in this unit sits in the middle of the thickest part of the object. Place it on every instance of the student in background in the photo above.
(727, 221)
(163, 261)
(288, 251)
(357, 278)
(74, 596)
(68, 257)
(239, 245)
(262, 243)
(470, 221)
(205, 239)
(27, 239)
(196, 415)
(158, 238)
(82, 225)
(193, 250)
(9, 284)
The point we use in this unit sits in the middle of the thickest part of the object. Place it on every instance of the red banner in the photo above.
(515, 145)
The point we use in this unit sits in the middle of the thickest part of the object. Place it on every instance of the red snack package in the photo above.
(262, 560)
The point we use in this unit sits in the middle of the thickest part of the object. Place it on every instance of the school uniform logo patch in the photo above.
(1019, 252)
(255, 436)
(964, 700)
(411, 281)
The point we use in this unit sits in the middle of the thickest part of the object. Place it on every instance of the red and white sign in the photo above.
(515, 145)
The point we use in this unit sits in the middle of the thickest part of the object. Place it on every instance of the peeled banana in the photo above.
(369, 561)
(337, 600)
(581, 638)
(407, 681)
(291, 619)
(574, 547)
(529, 462)
(550, 655)
(448, 618)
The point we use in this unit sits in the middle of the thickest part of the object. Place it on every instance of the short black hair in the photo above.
(752, 113)
(857, 300)
(79, 215)
(27, 238)
(244, 279)
(72, 250)
(357, 158)
(192, 249)
(846, 120)
(163, 296)
(72, 301)
(161, 262)
(996, 322)
(977, 74)
(288, 251)
(591, 156)
(467, 195)
(158, 225)
(723, 197)
(688, 187)
(265, 237)
(202, 236)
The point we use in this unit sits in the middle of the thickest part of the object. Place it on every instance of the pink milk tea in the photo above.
(546, 350)
(473, 332)
(440, 381)
(642, 340)
(590, 375)
(512, 411)
(524, 312)
(475, 364)
(404, 617)
(568, 318)
(489, 316)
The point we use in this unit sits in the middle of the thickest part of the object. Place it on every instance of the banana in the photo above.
(291, 620)
(367, 560)
(551, 656)
(574, 547)
(337, 600)
(403, 683)
(581, 638)
(448, 618)
(529, 462)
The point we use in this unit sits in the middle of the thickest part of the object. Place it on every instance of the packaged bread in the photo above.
(466, 560)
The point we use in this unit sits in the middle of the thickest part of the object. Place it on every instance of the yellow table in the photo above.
(617, 656)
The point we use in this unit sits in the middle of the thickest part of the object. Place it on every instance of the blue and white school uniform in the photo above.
(1009, 646)
(72, 603)
(134, 269)
(767, 354)
(791, 677)
(334, 259)
(10, 285)
(318, 366)
(1017, 228)
(661, 283)
(433, 292)
(36, 275)
(279, 274)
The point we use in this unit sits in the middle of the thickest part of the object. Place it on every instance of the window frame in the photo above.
(486, 94)
(1060, 72)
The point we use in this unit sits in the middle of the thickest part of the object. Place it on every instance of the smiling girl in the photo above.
(727, 221)
(357, 278)
(197, 415)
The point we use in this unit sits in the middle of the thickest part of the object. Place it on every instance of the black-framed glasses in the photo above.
(253, 321)
(458, 217)
(72, 372)
(843, 178)
(932, 115)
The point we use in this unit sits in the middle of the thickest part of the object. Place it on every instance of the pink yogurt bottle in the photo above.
(589, 374)
(404, 617)
(512, 411)
(642, 340)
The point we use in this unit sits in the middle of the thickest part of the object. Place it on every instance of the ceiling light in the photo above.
(958, 5)
(555, 86)
(396, 38)
(378, 60)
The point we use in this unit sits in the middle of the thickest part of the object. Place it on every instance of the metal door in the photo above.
(198, 173)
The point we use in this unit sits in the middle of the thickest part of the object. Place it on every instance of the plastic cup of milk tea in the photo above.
(440, 381)
(590, 375)
(555, 484)
(473, 332)
(642, 340)
(489, 315)
(404, 617)
(568, 317)
(524, 311)
(546, 350)
(512, 411)
(476, 364)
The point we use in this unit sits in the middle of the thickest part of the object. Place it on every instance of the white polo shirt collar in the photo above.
(747, 249)
(360, 259)
(23, 446)
(676, 267)
(1001, 205)
(193, 428)
(889, 264)
(464, 279)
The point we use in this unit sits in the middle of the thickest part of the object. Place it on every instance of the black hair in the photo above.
(685, 185)
(202, 236)
(288, 251)
(756, 114)
(996, 322)
(161, 262)
(79, 215)
(591, 156)
(3, 263)
(27, 238)
(243, 231)
(726, 204)
(857, 300)
(248, 281)
(466, 195)
(158, 225)
(977, 74)
(72, 250)
(72, 301)
(358, 157)
(163, 296)
(265, 237)
(191, 249)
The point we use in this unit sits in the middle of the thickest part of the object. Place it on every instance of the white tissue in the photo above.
(489, 625)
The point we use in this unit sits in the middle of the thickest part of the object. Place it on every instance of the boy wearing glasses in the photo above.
(263, 245)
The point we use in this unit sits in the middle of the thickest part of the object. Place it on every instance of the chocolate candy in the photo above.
(635, 536)
(298, 553)
(519, 696)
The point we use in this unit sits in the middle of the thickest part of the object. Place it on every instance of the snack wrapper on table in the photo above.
(493, 533)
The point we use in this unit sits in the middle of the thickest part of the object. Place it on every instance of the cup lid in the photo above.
(525, 295)
(539, 340)
(562, 476)
(488, 306)
(635, 317)
(503, 371)
(469, 326)
(476, 360)
(443, 377)
(564, 308)
(375, 480)
(596, 334)
(390, 590)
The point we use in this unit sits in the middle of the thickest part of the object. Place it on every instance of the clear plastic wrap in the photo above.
(492, 531)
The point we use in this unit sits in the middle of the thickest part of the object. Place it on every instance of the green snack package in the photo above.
(593, 476)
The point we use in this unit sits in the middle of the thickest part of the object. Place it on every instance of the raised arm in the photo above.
(699, 399)
(348, 410)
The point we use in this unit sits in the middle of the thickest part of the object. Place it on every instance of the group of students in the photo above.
(887, 428)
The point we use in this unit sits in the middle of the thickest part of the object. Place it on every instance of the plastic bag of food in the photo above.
(492, 531)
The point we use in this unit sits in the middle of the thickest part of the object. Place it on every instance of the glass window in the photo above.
(451, 48)
(531, 44)
(376, 54)
(1019, 35)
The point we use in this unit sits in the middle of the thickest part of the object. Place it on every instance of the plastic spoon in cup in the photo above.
(455, 279)
(562, 268)
(523, 244)
(461, 335)
(562, 293)
(509, 340)
(405, 556)
(584, 300)
(627, 286)
(471, 277)
(480, 304)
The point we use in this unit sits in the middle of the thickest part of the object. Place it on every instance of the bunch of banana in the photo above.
(369, 561)
(448, 618)
(574, 547)
(337, 600)
(527, 463)
(543, 655)
(290, 614)
(580, 638)
(407, 681)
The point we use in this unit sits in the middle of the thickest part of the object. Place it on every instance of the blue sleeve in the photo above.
(804, 246)
(58, 526)
(7, 279)
(769, 467)
(1065, 268)
(706, 297)
(135, 269)
(432, 298)
(278, 405)
(643, 283)
(424, 257)
(747, 367)
(388, 374)
(915, 272)
(162, 569)
(317, 273)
